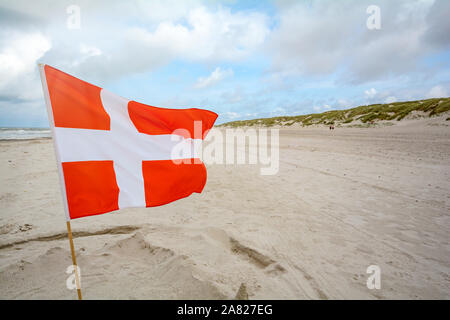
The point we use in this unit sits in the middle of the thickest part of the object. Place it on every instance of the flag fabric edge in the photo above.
(48, 105)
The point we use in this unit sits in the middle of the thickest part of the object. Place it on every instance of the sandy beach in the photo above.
(342, 200)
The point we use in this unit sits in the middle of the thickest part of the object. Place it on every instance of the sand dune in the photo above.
(342, 200)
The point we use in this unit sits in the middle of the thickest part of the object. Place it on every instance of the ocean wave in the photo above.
(24, 133)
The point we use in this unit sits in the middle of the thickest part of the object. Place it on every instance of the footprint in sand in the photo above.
(26, 227)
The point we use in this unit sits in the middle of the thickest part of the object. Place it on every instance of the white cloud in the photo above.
(390, 99)
(206, 36)
(216, 76)
(86, 52)
(343, 103)
(323, 37)
(371, 93)
(18, 64)
(20, 54)
(234, 96)
(153, 11)
(437, 92)
(278, 111)
(108, 46)
(325, 107)
(231, 115)
(90, 51)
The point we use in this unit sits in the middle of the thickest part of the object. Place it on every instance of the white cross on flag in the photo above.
(115, 153)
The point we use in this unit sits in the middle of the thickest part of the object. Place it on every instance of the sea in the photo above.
(24, 133)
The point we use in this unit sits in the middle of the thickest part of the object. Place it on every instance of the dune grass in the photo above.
(365, 114)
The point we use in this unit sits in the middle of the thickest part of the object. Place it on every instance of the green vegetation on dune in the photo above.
(365, 114)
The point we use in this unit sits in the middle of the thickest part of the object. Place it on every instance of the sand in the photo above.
(342, 200)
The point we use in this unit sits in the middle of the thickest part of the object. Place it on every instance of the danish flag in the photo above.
(114, 153)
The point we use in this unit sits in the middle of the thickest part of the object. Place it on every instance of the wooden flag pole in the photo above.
(74, 260)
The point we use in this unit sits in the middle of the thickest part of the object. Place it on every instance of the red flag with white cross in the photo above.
(114, 153)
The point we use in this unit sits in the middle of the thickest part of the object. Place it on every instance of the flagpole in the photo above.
(74, 260)
(61, 176)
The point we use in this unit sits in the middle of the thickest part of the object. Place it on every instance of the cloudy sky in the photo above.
(241, 59)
